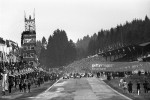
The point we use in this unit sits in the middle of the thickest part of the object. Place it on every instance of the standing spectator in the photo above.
(108, 76)
(124, 86)
(10, 81)
(38, 81)
(98, 74)
(24, 86)
(15, 82)
(20, 86)
(138, 87)
(121, 82)
(29, 85)
(145, 85)
(130, 87)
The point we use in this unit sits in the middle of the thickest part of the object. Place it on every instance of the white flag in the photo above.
(5, 82)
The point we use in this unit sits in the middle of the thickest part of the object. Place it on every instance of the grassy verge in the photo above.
(114, 83)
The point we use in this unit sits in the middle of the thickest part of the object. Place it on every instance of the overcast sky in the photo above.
(77, 17)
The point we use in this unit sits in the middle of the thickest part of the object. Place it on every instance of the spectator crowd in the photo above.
(24, 79)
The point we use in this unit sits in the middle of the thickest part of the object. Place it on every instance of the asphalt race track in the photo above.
(79, 89)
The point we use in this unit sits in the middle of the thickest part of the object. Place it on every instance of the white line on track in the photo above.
(46, 90)
(53, 85)
(116, 91)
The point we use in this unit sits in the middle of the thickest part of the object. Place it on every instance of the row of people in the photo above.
(129, 86)
(24, 82)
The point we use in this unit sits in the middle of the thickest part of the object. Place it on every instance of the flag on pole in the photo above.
(0, 56)
(5, 81)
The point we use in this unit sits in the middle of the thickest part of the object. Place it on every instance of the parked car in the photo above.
(82, 74)
(90, 75)
(77, 75)
(71, 75)
(65, 77)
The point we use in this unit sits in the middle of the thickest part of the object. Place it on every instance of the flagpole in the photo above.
(9, 55)
(3, 56)
(1, 52)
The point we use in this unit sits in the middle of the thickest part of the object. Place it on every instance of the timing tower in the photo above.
(28, 40)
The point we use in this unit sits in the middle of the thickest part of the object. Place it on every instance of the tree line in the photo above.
(134, 32)
(59, 51)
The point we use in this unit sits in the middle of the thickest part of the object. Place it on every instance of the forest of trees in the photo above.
(135, 32)
(81, 46)
(58, 51)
